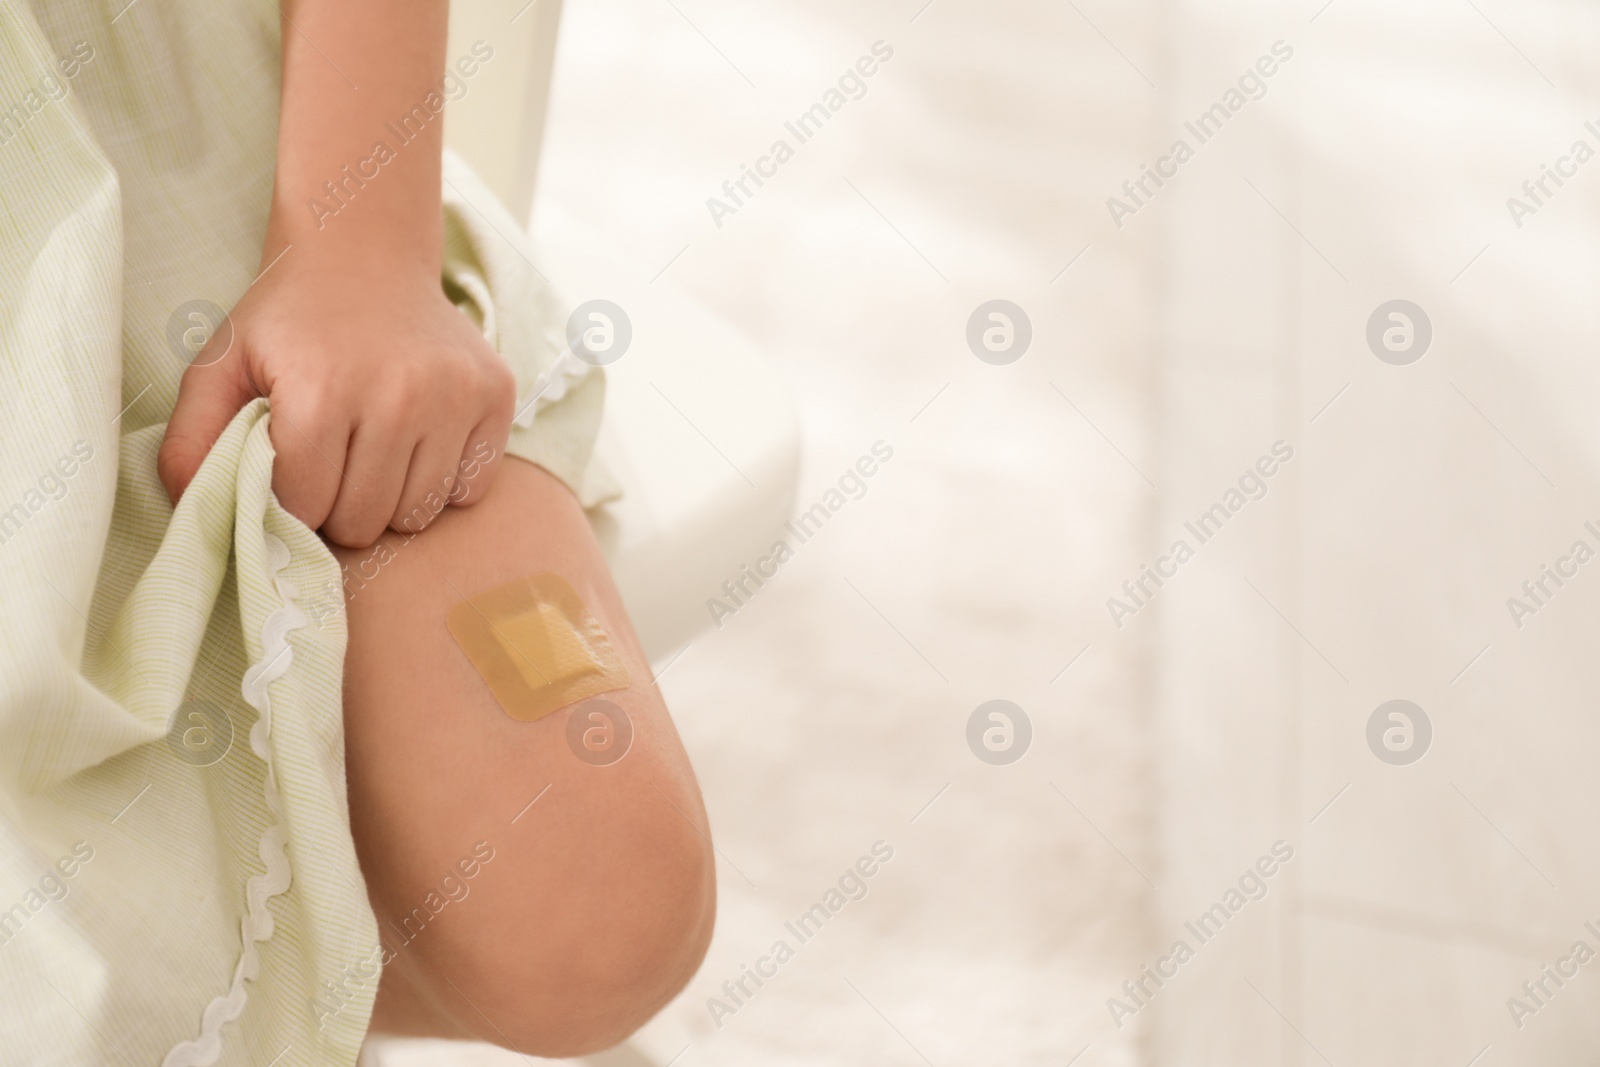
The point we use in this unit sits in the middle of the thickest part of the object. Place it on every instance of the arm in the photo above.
(379, 386)
(350, 72)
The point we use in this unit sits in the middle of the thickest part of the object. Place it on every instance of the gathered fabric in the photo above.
(178, 884)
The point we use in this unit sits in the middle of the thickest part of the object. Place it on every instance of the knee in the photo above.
(630, 951)
(613, 916)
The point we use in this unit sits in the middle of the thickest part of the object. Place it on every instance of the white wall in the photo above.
(988, 541)
(1226, 314)
(1416, 504)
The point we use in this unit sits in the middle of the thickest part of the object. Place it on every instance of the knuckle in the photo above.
(499, 385)
(405, 389)
(303, 411)
(353, 531)
(412, 517)
(476, 484)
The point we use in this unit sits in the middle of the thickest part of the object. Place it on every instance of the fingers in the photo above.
(352, 483)
(351, 459)
(480, 460)
(210, 394)
(378, 488)
(374, 475)
(430, 481)
(311, 439)
(446, 470)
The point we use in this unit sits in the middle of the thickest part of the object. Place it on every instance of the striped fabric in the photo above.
(177, 881)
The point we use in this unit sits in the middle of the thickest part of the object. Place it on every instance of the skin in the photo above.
(597, 905)
(379, 386)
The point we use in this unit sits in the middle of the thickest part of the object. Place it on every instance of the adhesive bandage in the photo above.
(536, 646)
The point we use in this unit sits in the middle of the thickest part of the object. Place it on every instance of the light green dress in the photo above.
(177, 881)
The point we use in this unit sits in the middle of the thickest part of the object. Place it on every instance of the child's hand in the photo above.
(379, 388)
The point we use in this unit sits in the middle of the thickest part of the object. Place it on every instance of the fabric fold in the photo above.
(178, 882)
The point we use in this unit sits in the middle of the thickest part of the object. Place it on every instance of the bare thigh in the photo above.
(596, 903)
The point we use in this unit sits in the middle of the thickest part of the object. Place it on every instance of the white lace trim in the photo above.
(256, 925)
(568, 370)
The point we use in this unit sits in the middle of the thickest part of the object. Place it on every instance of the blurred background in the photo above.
(1420, 870)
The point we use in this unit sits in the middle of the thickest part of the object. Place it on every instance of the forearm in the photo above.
(360, 134)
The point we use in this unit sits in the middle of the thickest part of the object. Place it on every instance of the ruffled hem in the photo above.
(256, 925)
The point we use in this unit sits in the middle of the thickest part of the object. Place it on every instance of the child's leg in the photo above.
(597, 904)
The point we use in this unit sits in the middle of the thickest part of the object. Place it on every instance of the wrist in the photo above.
(366, 236)
(356, 187)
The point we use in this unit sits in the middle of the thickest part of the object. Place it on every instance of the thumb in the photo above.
(213, 390)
